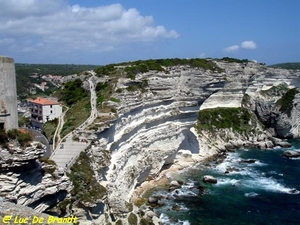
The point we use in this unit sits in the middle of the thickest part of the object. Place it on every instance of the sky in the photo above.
(104, 31)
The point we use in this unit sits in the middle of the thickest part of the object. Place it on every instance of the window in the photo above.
(51, 111)
(51, 107)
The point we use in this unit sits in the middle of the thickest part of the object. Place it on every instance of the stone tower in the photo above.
(8, 94)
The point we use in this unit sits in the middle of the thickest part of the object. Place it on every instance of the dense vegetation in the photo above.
(76, 115)
(54, 69)
(49, 128)
(142, 66)
(286, 101)
(103, 91)
(234, 60)
(138, 86)
(25, 81)
(85, 186)
(23, 138)
(73, 92)
(219, 118)
(290, 65)
(278, 90)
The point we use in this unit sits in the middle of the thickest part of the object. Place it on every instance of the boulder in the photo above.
(174, 185)
(283, 144)
(247, 161)
(201, 189)
(291, 154)
(209, 179)
(176, 207)
(230, 169)
(269, 144)
(155, 220)
(238, 143)
(160, 202)
(229, 147)
(150, 214)
(152, 199)
(261, 145)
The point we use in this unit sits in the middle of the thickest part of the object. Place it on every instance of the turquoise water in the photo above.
(264, 192)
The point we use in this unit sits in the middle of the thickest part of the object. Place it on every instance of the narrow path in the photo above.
(56, 137)
(67, 149)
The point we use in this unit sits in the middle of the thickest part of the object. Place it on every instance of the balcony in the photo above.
(36, 112)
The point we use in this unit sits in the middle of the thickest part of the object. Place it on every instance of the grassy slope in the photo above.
(289, 65)
(24, 81)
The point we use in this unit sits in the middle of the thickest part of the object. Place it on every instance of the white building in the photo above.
(43, 110)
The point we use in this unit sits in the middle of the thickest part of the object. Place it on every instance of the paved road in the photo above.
(67, 150)
(38, 136)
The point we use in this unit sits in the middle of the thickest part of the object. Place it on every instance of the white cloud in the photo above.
(53, 24)
(232, 48)
(244, 45)
(248, 45)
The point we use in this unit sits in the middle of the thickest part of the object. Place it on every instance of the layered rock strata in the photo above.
(26, 182)
(156, 124)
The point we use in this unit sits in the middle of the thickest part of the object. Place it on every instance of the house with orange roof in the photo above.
(43, 110)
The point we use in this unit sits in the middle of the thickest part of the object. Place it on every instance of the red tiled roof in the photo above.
(44, 101)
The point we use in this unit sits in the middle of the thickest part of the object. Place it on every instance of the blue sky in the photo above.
(104, 31)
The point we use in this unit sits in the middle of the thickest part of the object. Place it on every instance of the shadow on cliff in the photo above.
(50, 200)
(31, 173)
(189, 142)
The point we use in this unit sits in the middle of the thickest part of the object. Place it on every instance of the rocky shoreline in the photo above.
(158, 130)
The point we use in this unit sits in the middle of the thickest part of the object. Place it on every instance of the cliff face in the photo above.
(26, 182)
(158, 121)
(268, 97)
(155, 121)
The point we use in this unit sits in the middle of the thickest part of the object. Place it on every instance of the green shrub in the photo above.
(24, 138)
(47, 161)
(3, 136)
(23, 121)
(138, 86)
(106, 70)
(119, 222)
(12, 134)
(144, 221)
(73, 92)
(231, 60)
(85, 186)
(114, 99)
(49, 128)
(219, 118)
(132, 219)
(286, 101)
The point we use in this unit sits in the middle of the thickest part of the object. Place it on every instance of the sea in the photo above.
(262, 188)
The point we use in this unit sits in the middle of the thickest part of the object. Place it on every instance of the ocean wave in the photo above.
(183, 192)
(251, 194)
(167, 221)
(268, 184)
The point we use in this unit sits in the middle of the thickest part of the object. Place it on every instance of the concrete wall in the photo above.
(8, 94)
(51, 112)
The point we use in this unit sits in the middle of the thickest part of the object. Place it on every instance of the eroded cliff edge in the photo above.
(158, 121)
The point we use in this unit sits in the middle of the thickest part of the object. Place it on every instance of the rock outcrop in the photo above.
(210, 179)
(156, 122)
(26, 182)
(157, 115)
(291, 154)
